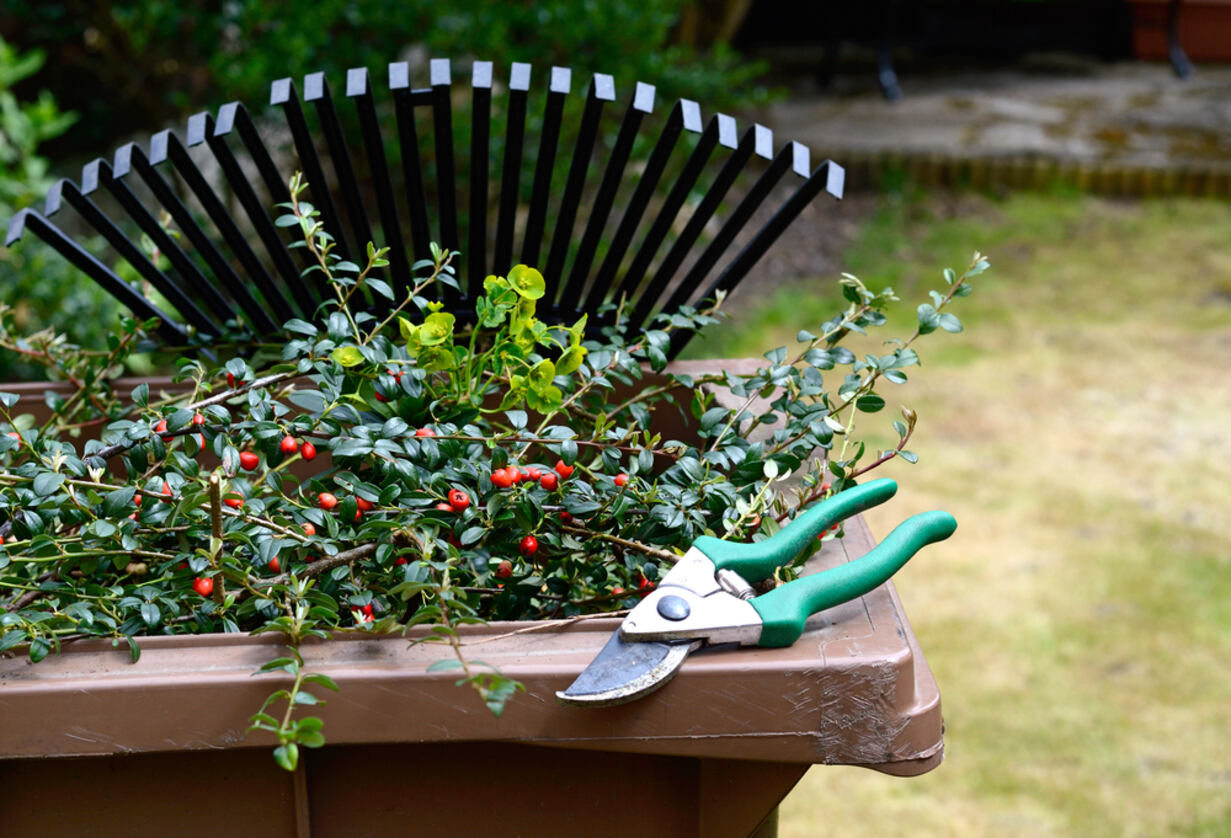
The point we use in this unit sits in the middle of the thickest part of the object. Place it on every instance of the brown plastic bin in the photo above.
(90, 741)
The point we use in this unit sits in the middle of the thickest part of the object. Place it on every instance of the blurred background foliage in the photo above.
(124, 69)
(134, 65)
(42, 289)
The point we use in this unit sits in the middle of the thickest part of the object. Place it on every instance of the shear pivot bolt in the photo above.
(672, 607)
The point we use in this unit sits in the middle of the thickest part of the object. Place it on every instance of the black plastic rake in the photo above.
(642, 209)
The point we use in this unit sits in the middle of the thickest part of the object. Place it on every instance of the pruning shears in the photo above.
(708, 596)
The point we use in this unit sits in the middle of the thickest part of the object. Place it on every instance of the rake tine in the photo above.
(480, 141)
(359, 90)
(601, 89)
(131, 157)
(81, 259)
(404, 101)
(88, 210)
(558, 87)
(233, 116)
(282, 93)
(640, 199)
(742, 152)
(440, 77)
(316, 91)
(510, 179)
(166, 145)
(600, 209)
(201, 130)
(671, 206)
(829, 177)
(98, 172)
(739, 217)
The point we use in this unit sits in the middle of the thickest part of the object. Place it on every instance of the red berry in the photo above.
(425, 432)
(549, 481)
(458, 500)
(516, 473)
(445, 507)
(288, 445)
(309, 559)
(200, 442)
(380, 397)
(203, 585)
(397, 375)
(566, 517)
(364, 505)
(230, 379)
(275, 565)
(563, 470)
(617, 590)
(400, 560)
(326, 500)
(166, 491)
(533, 473)
(367, 609)
(644, 586)
(505, 569)
(234, 503)
(308, 528)
(621, 480)
(501, 478)
(137, 499)
(529, 546)
(161, 427)
(198, 419)
(307, 451)
(248, 460)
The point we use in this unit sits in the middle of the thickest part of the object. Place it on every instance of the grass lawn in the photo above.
(1079, 622)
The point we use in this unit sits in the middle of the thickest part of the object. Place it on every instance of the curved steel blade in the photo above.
(624, 671)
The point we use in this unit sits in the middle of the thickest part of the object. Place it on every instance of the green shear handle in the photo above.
(784, 610)
(758, 561)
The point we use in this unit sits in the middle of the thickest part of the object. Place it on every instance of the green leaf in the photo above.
(472, 535)
(527, 282)
(301, 327)
(950, 323)
(436, 329)
(436, 358)
(119, 502)
(347, 356)
(287, 756)
(151, 614)
(928, 318)
(141, 395)
(323, 680)
(9, 399)
(870, 403)
(445, 665)
(570, 360)
(909, 456)
(406, 329)
(380, 287)
(47, 483)
(39, 648)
